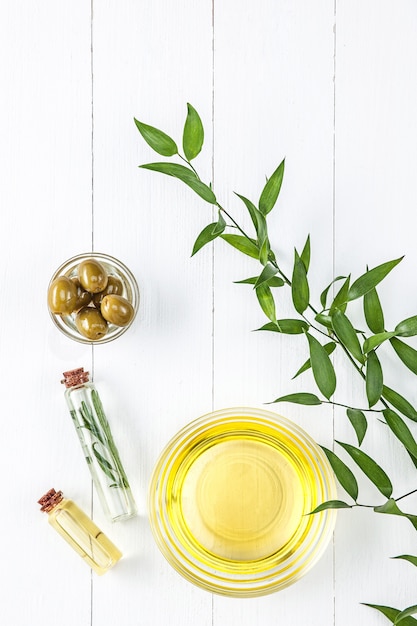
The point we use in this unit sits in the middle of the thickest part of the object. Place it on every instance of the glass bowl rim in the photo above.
(321, 532)
(130, 280)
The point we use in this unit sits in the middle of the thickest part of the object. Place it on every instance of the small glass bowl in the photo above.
(229, 502)
(114, 267)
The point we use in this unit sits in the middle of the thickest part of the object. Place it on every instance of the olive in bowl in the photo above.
(93, 298)
(62, 296)
(117, 310)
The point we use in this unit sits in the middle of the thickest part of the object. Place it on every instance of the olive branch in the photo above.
(325, 329)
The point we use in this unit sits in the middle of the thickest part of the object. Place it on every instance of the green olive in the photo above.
(117, 310)
(62, 296)
(92, 275)
(114, 286)
(83, 296)
(90, 323)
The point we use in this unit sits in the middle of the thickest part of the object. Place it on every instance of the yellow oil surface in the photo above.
(84, 536)
(240, 496)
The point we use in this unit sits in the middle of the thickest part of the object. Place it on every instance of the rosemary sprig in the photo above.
(107, 458)
(119, 470)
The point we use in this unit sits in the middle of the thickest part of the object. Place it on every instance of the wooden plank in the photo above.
(45, 163)
(149, 61)
(273, 99)
(376, 62)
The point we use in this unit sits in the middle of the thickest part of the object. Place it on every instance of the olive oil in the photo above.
(230, 501)
(80, 532)
(242, 499)
(240, 494)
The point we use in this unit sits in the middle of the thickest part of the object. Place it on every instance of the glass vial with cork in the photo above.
(99, 449)
(80, 531)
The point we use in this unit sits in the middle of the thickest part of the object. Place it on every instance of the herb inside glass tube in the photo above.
(100, 451)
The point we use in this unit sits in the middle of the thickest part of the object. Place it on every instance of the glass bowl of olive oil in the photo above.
(229, 502)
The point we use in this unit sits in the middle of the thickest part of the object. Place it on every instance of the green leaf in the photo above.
(266, 275)
(340, 300)
(89, 422)
(373, 311)
(407, 328)
(391, 614)
(157, 140)
(264, 251)
(101, 416)
(271, 190)
(370, 279)
(400, 403)
(329, 347)
(376, 340)
(343, 474)
(275, 281)
(299, 288)
(330, 504)
(358, 420)
(345, 332)
(287, 327)
(243, 244)
(413, 460)
(184, 174)
(306, 253)
(401, 431)
(209, 233)
(390, 507)
(257, 218)
(374, 378)
(324, 320)
(271, 256)
(411, 610)
(220, 225)
(266, 300)
(108, 443)
(323, 295)
(103, 463)
(193, 134)
(308, 399)
(323, 370)
(407, 557)
(406, 354)
(370, 468)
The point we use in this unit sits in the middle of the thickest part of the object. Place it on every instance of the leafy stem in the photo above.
(122, 480)
(332, 322)
(101, 447)
(410, 493)
(235, 224)
(347, 406)
(189, 164)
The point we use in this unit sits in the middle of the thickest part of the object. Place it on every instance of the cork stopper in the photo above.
(76, 377)
(50, 500)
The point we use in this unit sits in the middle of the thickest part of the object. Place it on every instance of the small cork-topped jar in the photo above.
(79, 531)
(101, 453)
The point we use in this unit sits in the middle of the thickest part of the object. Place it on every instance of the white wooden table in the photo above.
(331, 86)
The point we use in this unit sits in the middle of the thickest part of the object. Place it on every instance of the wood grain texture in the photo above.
(375, 156)
(46, 218)
(260, 118)
(329, 86)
